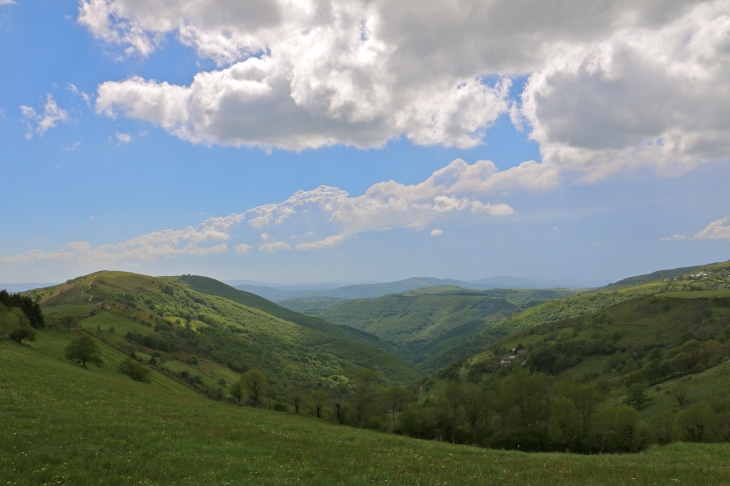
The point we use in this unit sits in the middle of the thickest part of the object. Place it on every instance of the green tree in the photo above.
(395, 399)
(679, 392)
(84, 350)
(475, 405)
(626, 428)
(636, 396)
(237, 392)
(565, 421)
(697, 423)
(662, 425)
(319, 398)
(337, 395)
(255, 385)
(69, 322)
(297, 394)
(365, 383)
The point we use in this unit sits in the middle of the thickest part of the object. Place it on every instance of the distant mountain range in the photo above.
(22, 287)
(278, 293)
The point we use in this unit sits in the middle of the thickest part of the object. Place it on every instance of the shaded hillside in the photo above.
(211, 286)
(175, 320)
(421, 324)
(649, 340)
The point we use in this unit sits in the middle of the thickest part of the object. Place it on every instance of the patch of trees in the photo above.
(15, 325)
(160, 342)
(135, 370)
(27, 305)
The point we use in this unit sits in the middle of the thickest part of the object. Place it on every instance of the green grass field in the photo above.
(65, 425)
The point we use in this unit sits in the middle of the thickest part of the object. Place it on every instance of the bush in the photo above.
(135, 370)
(23, 333)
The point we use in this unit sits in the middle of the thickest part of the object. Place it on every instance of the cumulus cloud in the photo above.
(717, 230)
(324, 217)
(274, 246)
(612, 85)
(641, 96)
(123, 138)
(437, 232)
(52, 115)
(242, 248)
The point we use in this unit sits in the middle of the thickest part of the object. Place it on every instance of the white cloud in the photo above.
(451, 193)
(77, 91)
(74, 146)
(7, 2)
(242, 248)
(329, 241)
(672, 238)
(717, 230)
(612, 85)
(650, 96)
(436, 232)
(274, 246)
(52, 116)
(123, 138)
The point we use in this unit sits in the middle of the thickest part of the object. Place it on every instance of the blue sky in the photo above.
(121, 126)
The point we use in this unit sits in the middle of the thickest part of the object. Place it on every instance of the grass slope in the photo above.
(228, 333)
(211, 286)
(65, 425)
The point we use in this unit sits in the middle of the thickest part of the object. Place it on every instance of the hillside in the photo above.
(152, 314)
(422, 324)
(97, 426)
(656, 340)
(704, 278)
(211, 286)
(654, 276)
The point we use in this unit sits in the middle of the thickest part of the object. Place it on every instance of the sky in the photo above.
(301, 141)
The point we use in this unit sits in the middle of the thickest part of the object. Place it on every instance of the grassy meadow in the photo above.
(63, 424)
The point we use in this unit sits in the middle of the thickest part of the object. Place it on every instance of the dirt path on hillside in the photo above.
(89, 287)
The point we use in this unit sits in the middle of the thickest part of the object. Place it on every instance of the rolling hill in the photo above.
(171, 318)
(369, 291)
(422, 324)
(660, 342)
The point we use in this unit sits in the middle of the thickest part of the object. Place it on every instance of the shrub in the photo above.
(135, 370)
(21, 334)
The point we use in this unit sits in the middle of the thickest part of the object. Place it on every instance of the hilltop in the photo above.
(167, 316)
